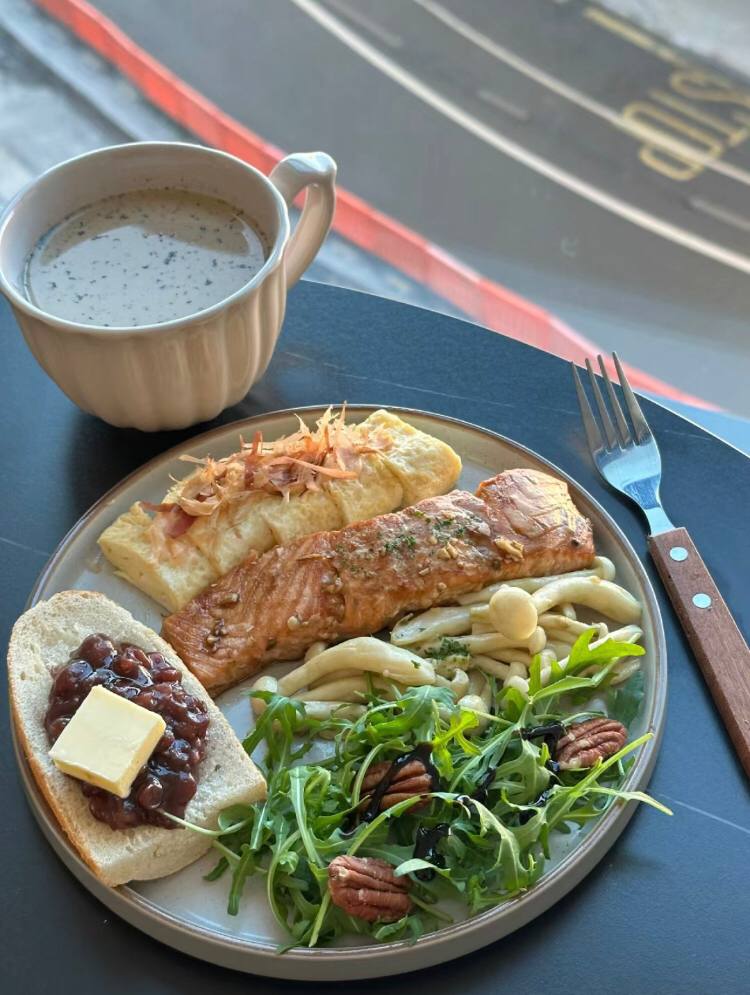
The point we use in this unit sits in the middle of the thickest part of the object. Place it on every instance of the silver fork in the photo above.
(625, 452)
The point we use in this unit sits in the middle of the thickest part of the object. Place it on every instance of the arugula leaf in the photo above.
(513, 703)
(243, 869)
(566, 684)
(624, 702)
(459, 723)
(236, 817)
(582, 654)
(415, 864)
(635, 796)
(221, 865)
(498, 794)
(535, 674)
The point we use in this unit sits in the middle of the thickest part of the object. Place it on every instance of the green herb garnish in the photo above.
(448, 528)
(449, 647)
(403, 541)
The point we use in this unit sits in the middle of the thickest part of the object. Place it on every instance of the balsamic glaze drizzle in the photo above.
(550, 733)
(427, 839)
(423, 753)
(425, 847)
(541, 801)
(483, 788)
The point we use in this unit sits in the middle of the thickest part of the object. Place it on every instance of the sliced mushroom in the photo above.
(458, 683)
(602, 567)
(478, 699)
(322, 710)
(263, 683)
(515, 670)
(340, 674)
(559, 648)
(453, 620)
(488, 642)
(481, 628)
(512, 656)
(489, 666)
(602, 595)
(340, 689)
(518, 682)
(513, 613)
(561, 623)
(365, 653)
(548, 657)
(625, 668)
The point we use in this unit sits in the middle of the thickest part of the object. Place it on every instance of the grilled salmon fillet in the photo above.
(334, 585)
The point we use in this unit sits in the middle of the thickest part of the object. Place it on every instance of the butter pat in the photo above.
(107, 741)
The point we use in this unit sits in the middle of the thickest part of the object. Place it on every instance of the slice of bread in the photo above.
(42, 639)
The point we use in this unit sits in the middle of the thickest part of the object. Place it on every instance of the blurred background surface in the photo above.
(592, 159)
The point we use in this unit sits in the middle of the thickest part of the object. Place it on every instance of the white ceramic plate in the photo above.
(190, 914)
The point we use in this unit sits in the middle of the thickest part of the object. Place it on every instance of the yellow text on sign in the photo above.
(680, 138)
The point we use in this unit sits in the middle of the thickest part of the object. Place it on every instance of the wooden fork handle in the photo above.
(718, 644)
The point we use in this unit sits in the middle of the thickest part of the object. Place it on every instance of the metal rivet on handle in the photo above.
(678, 553)
(701, 601)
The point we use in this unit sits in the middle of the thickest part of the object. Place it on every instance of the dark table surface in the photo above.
(667, 910)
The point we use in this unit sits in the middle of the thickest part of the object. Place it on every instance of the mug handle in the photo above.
(315, 170)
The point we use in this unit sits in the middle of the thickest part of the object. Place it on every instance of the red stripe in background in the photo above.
(485, 301)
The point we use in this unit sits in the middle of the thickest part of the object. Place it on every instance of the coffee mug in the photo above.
(173, 374)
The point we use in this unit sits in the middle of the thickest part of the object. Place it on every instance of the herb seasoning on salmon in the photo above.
(336, 585)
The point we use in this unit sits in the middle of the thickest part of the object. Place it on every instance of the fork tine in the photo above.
(642, 431)
(593, 435)
(609, 428)
(619, 416)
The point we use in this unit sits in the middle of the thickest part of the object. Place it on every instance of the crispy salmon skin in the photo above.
(334, 585)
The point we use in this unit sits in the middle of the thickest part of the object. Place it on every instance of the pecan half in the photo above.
(411, 779)
(367, 888)
(586, 742)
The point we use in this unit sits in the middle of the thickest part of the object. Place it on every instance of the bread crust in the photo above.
(41, 640)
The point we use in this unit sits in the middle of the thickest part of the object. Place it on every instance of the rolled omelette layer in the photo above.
(414, 466)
